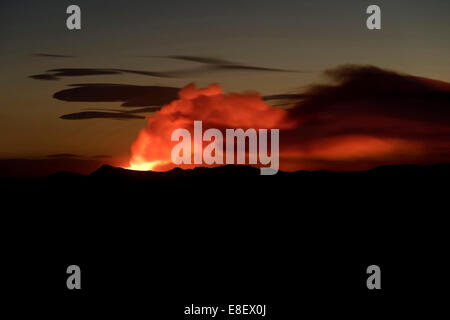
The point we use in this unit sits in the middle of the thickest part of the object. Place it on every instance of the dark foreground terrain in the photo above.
(152, 243)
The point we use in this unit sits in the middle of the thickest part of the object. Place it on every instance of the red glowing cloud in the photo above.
(152, 149)
(365, 118)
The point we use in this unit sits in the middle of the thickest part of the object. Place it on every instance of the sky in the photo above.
(269, 47)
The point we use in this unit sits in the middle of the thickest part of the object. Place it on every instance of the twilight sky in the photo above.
(294, 41)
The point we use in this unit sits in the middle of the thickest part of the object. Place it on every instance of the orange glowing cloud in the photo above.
(152, 149)
(366, 117)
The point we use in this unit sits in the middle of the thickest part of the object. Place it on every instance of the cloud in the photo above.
(205, 60)
(130, 95)
(371, 115)
(364, 117)
(136, 99)
(370, 100)
(109, 114)
(56, 74)
(50, 55)
(209, 65)
(63, 155)
(167, 74)
(216, 109)
(84, 115)
(215, 64)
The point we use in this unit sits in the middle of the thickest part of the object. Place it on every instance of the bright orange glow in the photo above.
(144, 166)
(152, 149)
(303, 143)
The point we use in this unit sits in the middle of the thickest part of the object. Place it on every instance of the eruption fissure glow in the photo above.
(144, 166)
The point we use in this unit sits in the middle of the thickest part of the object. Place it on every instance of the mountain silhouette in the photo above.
(230, 230)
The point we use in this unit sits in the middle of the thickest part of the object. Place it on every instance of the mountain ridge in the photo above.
(106, 171)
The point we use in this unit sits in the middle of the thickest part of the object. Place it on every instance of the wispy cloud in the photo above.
(63, 155)
(51, 55)
(208, 65)
(84, 115)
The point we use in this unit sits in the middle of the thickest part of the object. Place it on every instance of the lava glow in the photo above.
(329, 129)
(152, 149)
(143, 166)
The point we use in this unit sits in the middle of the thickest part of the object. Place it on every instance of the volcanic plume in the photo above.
(365, 117)
(152, 150)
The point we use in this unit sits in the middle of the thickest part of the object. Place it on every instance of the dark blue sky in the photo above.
(282, 33)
